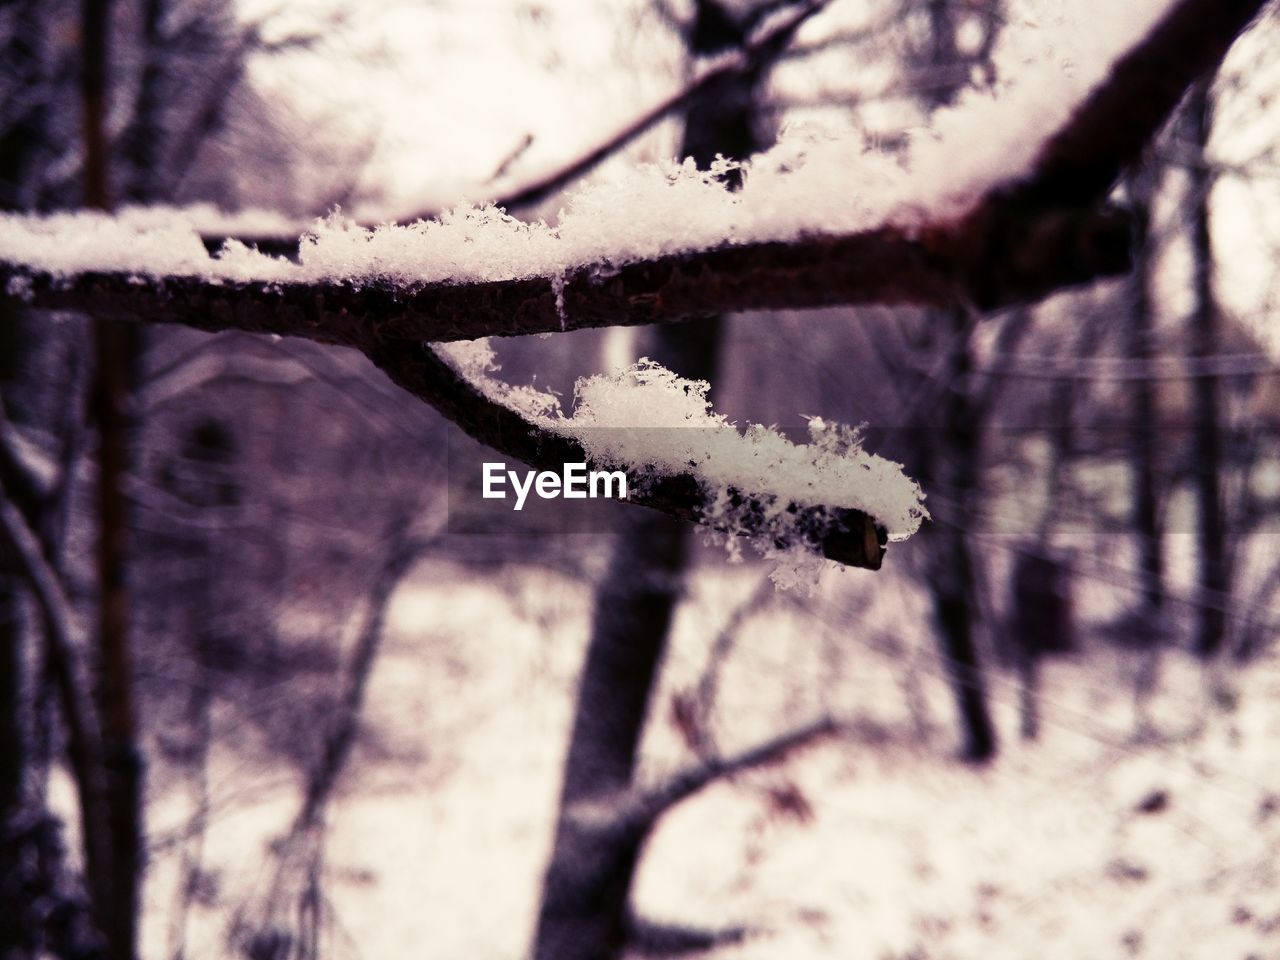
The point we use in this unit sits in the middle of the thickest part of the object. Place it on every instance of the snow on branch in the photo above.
(377, 300)
(777, 515)
(985, 211)
(1080, 162)
(760, 48)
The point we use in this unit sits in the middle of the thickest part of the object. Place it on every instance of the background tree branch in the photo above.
(637, 809)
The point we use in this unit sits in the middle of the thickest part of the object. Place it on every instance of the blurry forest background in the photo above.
(257, 698)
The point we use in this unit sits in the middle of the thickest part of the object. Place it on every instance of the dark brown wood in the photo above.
(1028, 259)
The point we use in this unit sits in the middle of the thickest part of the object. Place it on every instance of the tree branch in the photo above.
(24, 467)
(1080, 163)
(404, 551)
(84, 741)
(58, 618)
(636, 810)
(856, 36)
(757, 51)
(1031, 257)
(650, 938)
(1076, 167)
(845, 535)
(1022, 241)
(656, 801)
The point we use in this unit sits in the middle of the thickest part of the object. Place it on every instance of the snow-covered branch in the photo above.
(978, 219)
(846, 535)
(1080, 162)
(761, 47)
(1031, 258)
(816, 224)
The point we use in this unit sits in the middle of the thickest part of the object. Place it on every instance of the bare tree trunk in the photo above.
(584, 913)
(1043, 619)
(140, 144)
(952, 453)
(1212, 571)
(1139, 349)
(116, 888)
(118, 898)
(95, 19)
(584, 901)
(42, 907)
(1149, 622)
(952, 458)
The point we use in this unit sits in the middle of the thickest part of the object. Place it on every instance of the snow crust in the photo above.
(1047, 59)
(646, 420)
(814, 181)
(648, 415)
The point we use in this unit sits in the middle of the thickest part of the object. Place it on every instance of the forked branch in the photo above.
(1037, 233)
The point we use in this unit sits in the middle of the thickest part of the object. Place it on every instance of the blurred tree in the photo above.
(584, 911)
(1213, 576)
(57, 121)
(939, 383)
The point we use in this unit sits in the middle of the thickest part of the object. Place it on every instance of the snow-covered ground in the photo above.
(878, 844)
